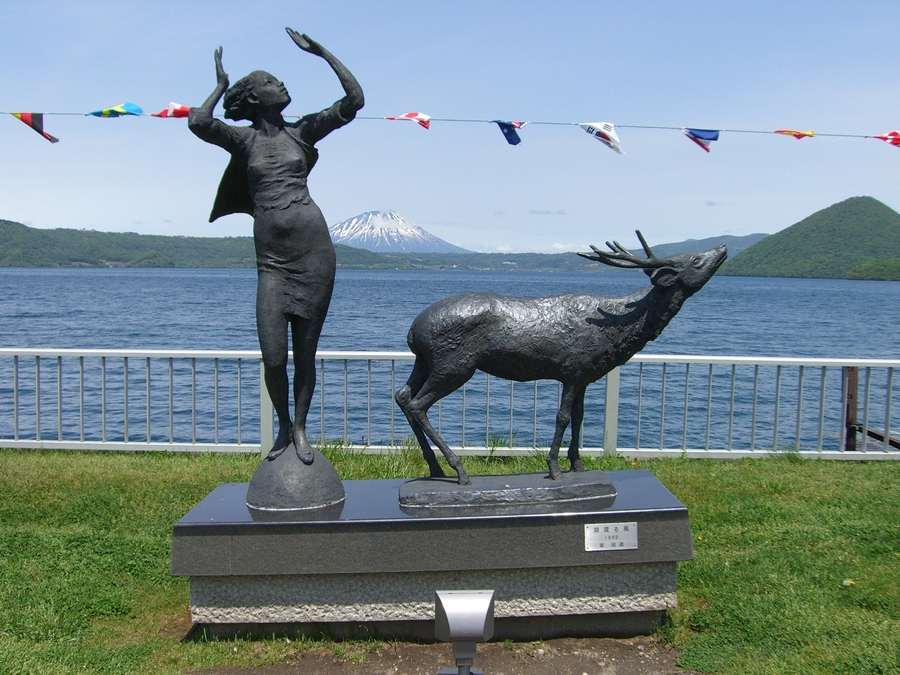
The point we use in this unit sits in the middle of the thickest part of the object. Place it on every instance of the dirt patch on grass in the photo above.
(594, 656)
(177, 626)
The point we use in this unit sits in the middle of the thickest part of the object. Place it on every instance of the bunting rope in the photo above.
(602, 131)
(619, 126)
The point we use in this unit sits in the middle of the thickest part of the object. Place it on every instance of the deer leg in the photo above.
(430, 393)
(403, 397)
(563, 416)
(577, 419)
(449, 455)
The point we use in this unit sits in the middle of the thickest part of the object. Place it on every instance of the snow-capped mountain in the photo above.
(388, 232)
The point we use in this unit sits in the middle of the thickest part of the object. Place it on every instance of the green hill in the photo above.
(357, 258)
(843, 241)
(735, 245)
(883, 269)
(544, 262)
(23, 246)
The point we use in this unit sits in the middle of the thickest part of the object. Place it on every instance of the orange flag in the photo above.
(795, 133)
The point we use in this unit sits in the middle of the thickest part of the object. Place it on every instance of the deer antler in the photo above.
(622, 257)
(644, 244)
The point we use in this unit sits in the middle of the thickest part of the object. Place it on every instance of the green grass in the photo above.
(85, 541)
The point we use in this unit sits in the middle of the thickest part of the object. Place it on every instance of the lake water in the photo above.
(372, 310)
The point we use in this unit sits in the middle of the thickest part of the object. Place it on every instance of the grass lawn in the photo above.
(797, 566)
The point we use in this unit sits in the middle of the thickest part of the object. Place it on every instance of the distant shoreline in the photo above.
(26, 247)
(23, 246)
(584, 270)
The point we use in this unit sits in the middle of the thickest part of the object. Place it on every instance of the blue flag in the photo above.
(118, 111)
(509, 131)
(702, 137)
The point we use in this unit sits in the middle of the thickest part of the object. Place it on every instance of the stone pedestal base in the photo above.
(408, 598)
(373, 569)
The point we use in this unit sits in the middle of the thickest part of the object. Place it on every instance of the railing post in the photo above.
(611, 413)
(266, 414)
(851, 395)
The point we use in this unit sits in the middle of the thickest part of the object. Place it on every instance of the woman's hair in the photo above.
(237, 107)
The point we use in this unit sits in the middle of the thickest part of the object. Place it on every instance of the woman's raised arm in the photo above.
(354, 99)
(201, 120)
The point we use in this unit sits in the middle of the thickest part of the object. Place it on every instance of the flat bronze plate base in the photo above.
(513, 490)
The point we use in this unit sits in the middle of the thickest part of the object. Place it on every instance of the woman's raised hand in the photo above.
(305, 42)
(221, 75)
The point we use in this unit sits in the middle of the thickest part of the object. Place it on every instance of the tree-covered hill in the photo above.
(556, 262)
(843, 241)
(23, 246)
(735, 245)
(546, 262)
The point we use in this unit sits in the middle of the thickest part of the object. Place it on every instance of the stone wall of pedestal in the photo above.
(375, 567)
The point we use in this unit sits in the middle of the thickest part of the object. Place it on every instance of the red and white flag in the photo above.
(174, 110)
(892, 137)
(421, 119)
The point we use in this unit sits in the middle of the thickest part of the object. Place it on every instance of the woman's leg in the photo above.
(271, 325)
(305, 338)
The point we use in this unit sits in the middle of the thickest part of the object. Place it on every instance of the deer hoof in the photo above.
(577, 465)
(437, 472)
(554, 470)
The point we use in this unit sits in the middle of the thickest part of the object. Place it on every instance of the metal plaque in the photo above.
(610, 537)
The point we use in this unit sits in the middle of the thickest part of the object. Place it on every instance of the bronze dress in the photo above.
(266, 178)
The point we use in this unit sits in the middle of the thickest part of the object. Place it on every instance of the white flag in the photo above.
(603, 132)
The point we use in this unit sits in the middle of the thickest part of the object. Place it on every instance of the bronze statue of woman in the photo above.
(266, 178)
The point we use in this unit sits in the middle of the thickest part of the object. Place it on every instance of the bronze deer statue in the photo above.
(575, 338)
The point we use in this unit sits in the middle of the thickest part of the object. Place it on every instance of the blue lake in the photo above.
(372, 310)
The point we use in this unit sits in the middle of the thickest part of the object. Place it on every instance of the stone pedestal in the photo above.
(372, 568)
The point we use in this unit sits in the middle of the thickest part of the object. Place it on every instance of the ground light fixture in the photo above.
(463, 618)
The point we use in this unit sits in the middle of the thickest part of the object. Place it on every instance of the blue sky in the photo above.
(825, 66)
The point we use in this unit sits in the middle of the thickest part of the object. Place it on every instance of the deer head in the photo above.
(690, 270)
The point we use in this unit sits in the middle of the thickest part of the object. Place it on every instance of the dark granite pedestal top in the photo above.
(370, 532)
(376, 501)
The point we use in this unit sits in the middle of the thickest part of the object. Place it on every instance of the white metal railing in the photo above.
(655, 405)
(750, 406)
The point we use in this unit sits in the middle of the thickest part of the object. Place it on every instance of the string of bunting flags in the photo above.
(605, 132)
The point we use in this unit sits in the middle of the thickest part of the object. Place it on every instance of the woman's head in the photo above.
(248, 95)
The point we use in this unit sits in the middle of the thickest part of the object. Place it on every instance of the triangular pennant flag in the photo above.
(892, 137)
(795, 133)
(603, 132)
(36, 122)
(702, 137)
(509, 130)
(421, 119)
(118, 111)
(174, 110)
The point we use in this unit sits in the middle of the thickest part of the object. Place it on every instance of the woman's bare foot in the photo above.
(303, 447)
(285, 436)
